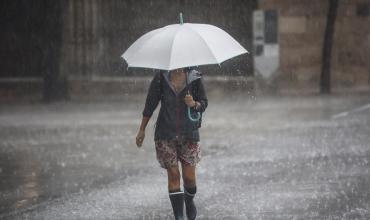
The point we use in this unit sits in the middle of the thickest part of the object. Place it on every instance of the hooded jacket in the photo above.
(173, 122)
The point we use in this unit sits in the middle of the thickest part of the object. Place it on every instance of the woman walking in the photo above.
(176, 134)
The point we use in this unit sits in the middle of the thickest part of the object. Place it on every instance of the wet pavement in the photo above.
(262, 158)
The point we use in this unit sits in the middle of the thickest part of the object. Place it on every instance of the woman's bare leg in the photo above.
(190, 189)
(188, 176)
(173, 174)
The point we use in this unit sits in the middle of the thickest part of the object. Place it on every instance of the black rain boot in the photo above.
(177, 202)
(191, 210)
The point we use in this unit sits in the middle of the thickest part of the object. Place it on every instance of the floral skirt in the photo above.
(169, 152)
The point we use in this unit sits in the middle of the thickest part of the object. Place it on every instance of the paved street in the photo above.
(262, 158)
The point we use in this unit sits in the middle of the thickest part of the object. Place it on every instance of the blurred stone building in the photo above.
(301, 34)
(97, 32)
(75, 45)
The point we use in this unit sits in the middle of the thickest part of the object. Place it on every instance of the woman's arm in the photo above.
(151, 103)
(141, 134)
(144, 122)
(153, 96)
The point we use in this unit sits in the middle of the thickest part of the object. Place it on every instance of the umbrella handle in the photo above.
(196, 119)
(191, 117)
(181, 19)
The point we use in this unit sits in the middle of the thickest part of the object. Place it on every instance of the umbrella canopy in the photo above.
(182, 45)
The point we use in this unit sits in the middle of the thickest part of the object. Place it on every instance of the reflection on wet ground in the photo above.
(19, 176)
(262, 158)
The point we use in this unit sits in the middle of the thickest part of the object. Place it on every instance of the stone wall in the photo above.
(301, 33)
(16, 90)
(351, 66)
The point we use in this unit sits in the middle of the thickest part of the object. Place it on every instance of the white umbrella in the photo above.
(182, 45)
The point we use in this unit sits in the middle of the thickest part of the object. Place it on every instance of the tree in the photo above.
(325, 87)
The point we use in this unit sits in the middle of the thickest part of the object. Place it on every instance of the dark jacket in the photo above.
(173, 121)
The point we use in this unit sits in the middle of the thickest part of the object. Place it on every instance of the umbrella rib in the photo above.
(173, 40)
(145, 43)
(142, 46)
(201, 37)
